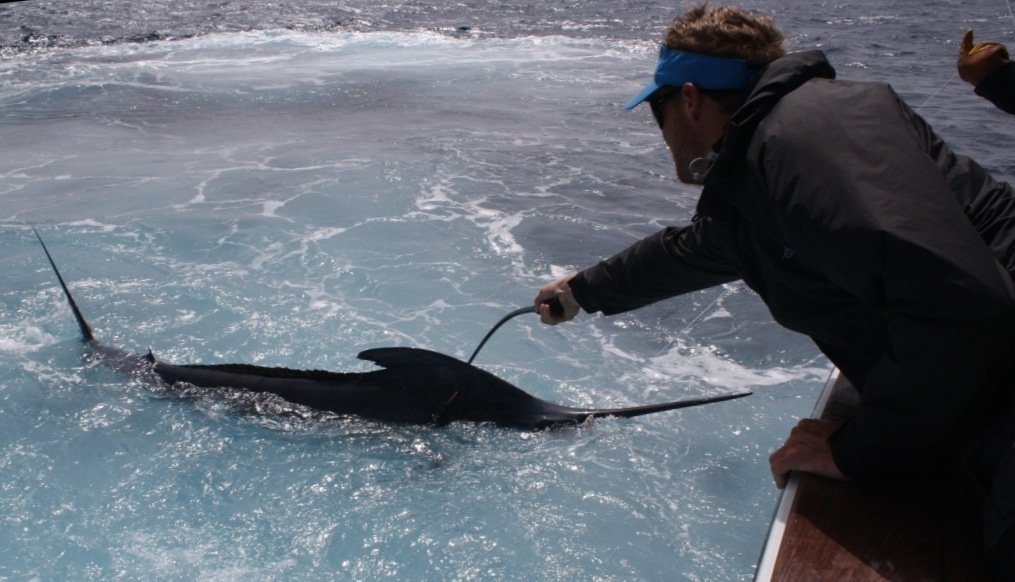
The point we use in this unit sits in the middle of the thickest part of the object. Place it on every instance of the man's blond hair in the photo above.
(727, 31)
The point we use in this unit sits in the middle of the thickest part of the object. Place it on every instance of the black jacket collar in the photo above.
(779, 78)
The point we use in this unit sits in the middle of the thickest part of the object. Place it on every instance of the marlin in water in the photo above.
(414, 386)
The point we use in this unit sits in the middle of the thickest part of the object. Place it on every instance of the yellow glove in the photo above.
(969, 48)
(977, 61)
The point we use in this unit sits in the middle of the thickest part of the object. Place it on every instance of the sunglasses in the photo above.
(658, 103)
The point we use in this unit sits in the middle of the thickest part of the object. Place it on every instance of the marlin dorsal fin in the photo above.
(400, 357)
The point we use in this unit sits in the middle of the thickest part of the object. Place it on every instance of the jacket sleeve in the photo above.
(670, 262)
(999, 87)
(865, 204)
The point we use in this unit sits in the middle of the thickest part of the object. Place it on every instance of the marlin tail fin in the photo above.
(86, 330)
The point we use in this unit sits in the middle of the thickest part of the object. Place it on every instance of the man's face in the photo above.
(678, 134)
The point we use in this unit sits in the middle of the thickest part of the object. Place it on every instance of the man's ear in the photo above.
(692, 100)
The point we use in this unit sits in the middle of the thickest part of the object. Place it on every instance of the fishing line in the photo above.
(941, 88)
(517, 312)
(439, 418)
(727, 290)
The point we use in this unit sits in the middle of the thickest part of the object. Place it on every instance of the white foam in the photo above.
(724, 372)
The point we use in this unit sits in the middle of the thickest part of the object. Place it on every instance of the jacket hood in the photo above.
(779, 78)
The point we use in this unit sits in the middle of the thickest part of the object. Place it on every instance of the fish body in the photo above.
(413, 386)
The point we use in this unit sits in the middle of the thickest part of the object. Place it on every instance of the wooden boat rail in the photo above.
(907, 531)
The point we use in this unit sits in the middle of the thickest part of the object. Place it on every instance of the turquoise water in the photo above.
(291, 198)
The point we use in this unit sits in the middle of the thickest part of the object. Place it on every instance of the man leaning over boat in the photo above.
(857, 226)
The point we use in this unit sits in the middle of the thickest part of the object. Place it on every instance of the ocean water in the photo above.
(290, 184)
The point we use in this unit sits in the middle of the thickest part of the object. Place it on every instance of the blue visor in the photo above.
(706, 72)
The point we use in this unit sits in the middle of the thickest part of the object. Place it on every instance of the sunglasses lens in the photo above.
(658, 105)
(657, 112)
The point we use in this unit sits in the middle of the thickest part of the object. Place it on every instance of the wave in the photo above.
(35, 27)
